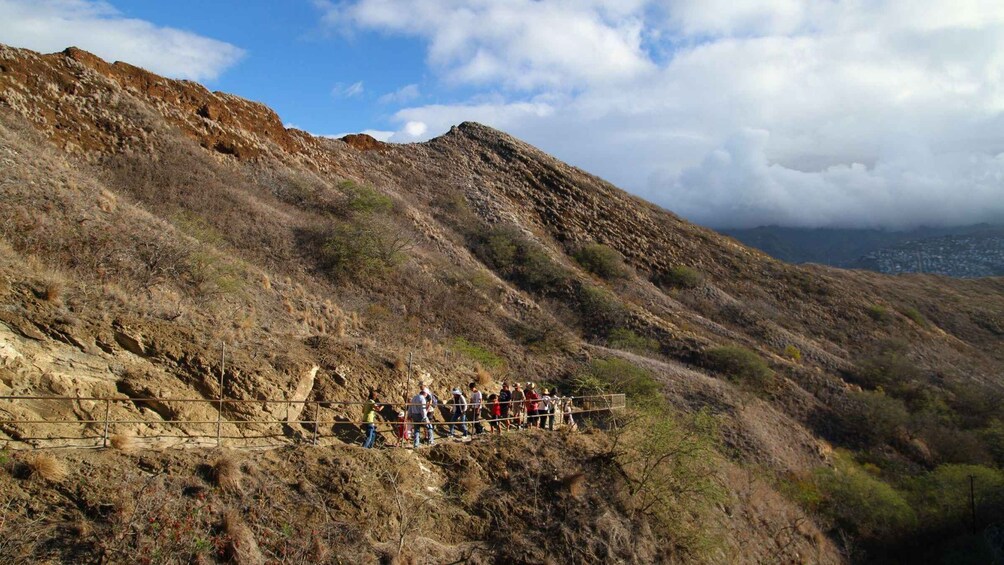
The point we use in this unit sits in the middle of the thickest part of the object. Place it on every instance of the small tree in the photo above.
(601, 260)
(740, 365)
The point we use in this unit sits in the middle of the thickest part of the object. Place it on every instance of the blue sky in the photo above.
(294, 64)
(845, 113)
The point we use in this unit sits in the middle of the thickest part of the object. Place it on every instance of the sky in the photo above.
(826, 113)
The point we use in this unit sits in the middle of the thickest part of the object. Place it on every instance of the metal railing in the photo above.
(103, 428)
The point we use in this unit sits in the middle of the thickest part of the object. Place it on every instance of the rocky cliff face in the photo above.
(146, 222)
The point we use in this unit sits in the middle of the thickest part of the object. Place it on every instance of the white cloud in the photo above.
(870, 113)
(348, 90)
(522, 44)
(404, 94)
(95, 26)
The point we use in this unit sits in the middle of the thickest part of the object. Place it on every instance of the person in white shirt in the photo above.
(418, 415)
(476, 401)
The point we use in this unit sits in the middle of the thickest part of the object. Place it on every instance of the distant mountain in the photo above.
(967, 251)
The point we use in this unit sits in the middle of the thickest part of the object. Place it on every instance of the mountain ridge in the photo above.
(171, 224)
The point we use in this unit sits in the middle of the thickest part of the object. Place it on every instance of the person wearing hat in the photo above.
(458, 412)
(518, 406)
(419, 416)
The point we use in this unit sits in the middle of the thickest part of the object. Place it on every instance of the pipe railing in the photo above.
(577, 405)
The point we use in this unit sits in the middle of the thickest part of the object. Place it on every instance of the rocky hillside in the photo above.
(147, 222)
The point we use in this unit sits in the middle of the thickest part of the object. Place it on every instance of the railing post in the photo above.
(108, 409)
(313, 438)
(219, 412)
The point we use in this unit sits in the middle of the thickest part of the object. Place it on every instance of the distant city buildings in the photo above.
(964, 256)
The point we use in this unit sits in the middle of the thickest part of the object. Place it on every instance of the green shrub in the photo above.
(620, 376)
(792, 352)
(872, 418)
(915, 316)
(363, 246)
(601, 260)
(362, 199)
(477, 353)
(740, 365)
(508, 252)
(889, 366)
(680, 276)
(623, 338)
(542, 336)
(860, 503)
(993, 438)
(601, 310)
(941, 496)
(878, 313)
(670, 465)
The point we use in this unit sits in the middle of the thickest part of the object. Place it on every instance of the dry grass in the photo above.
(242, 548)
(122, 442)
(227, 472)
(575, 484)
(46, 466)
(482, 376)
(53, 291)
(400, 365)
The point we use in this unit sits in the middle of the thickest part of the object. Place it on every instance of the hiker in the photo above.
(476, 401)
(369, 419)
(401, 429)
(432, 402)
(532, 406)
(419, 416)
(458, 412)
(518, 406)
(567, 413)
(505, 406)
(547, 410)
(495, 413)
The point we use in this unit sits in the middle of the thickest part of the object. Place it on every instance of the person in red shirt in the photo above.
(532, 405)
(495, 410)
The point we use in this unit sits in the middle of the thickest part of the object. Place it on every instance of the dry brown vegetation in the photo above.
(145, 227)
(46, 466)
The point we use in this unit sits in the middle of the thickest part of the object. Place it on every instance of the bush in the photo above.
(620, 376)
(361, 199)
(915, 316)
(878, 313)
(477, 353)
(680, 277)
(941, 497)
(792, 352)
(670, 465)
(622, 338)
(361, 247)
(740, 365)
(601, 260)
(601, 310)
(993, 438)
(872, 418)
(858, 502)
(508, 252)
(888, 367)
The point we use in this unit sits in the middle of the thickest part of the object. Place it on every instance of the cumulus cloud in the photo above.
(404, 94)
(53, 25)
(734, 113)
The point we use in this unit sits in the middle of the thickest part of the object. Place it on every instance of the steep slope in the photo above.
(146, 222)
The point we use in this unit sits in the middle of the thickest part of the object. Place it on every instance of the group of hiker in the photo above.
(515, 406)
